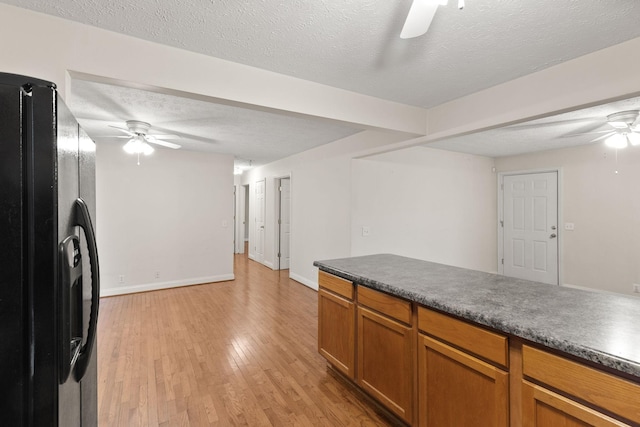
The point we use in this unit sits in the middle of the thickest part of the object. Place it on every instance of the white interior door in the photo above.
(259, 221)
(530, 215)
(285, 222)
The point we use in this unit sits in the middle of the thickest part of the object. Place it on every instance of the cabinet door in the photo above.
(385, 355)
(457, 389)
(543, 408)
(336, 328)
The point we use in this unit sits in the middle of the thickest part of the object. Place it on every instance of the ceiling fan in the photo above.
(420, 16)
(626, 129)
(139, 138)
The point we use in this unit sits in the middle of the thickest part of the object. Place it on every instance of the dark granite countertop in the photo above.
(600, 327)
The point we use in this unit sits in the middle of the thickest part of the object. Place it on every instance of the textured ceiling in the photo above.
(570, 129)
(256, 136)
(349, 44)
(355, 44)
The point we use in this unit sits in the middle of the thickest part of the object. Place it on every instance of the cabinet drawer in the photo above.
(393, 307)
(479, 341)
(613, 394)
(336, 284)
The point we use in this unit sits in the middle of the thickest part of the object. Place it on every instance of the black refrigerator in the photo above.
(49, 278)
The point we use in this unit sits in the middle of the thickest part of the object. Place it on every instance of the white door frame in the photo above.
(500, 215)
(239, 219)
(259, 257)
(276, 226)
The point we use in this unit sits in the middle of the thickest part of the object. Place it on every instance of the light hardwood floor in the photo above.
(237, 353)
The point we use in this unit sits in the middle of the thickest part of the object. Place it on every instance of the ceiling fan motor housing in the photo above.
(138, 127)
(623, 119)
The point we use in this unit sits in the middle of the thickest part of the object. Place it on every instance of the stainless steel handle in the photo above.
(553, 236)
(553, 227)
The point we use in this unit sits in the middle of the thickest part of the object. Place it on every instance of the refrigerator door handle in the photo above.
(70, 297)
(83, 219)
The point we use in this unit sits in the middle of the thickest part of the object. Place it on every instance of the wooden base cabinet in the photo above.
(385, 351)
(457, 389)
(607, 395)
(336, 323)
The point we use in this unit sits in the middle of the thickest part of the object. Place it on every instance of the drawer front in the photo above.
(336, 284)
(479, 341)
(393, 307)
(603, 390)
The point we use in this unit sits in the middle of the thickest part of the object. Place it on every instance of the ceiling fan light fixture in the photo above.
(137, 145)
(617, 140)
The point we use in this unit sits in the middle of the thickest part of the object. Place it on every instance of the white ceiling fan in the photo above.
(420, 16)
(139, 138)
(626, 129)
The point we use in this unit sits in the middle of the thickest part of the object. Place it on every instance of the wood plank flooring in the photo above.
(237, 353)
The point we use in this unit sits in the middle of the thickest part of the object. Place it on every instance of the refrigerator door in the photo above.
(76, 206)
(13, 328)
(69, 392)
(91, 294)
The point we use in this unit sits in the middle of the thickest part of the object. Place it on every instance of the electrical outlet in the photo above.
(636, 288)
(366, 231)
(157, 274)
(569, 226)
(121, 279)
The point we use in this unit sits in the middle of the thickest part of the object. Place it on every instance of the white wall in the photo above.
(603, 252)
(164, 216)
(320, 202)
(428, 204)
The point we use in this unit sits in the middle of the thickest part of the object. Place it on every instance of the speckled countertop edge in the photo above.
(516, 323)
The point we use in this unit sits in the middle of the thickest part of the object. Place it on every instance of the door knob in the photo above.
(553, 236)
(553, 227)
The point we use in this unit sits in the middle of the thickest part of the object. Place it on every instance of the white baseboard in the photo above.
(269, 264)
(304, 281)
(123, 290)
(584, 288)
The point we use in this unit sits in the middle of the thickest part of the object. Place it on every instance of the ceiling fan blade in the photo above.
(163, 136)
(595, 120)
(605, 136)
(419, 18)
(153, 140)
(127, 131)
(571, 135)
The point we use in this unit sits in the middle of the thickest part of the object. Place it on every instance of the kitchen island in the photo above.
(542, 348)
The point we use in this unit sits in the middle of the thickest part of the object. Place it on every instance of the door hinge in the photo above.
(279, 222)
(502, 186)
(502, 261)
(280, 188)
(279, 255)
(502, 223)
